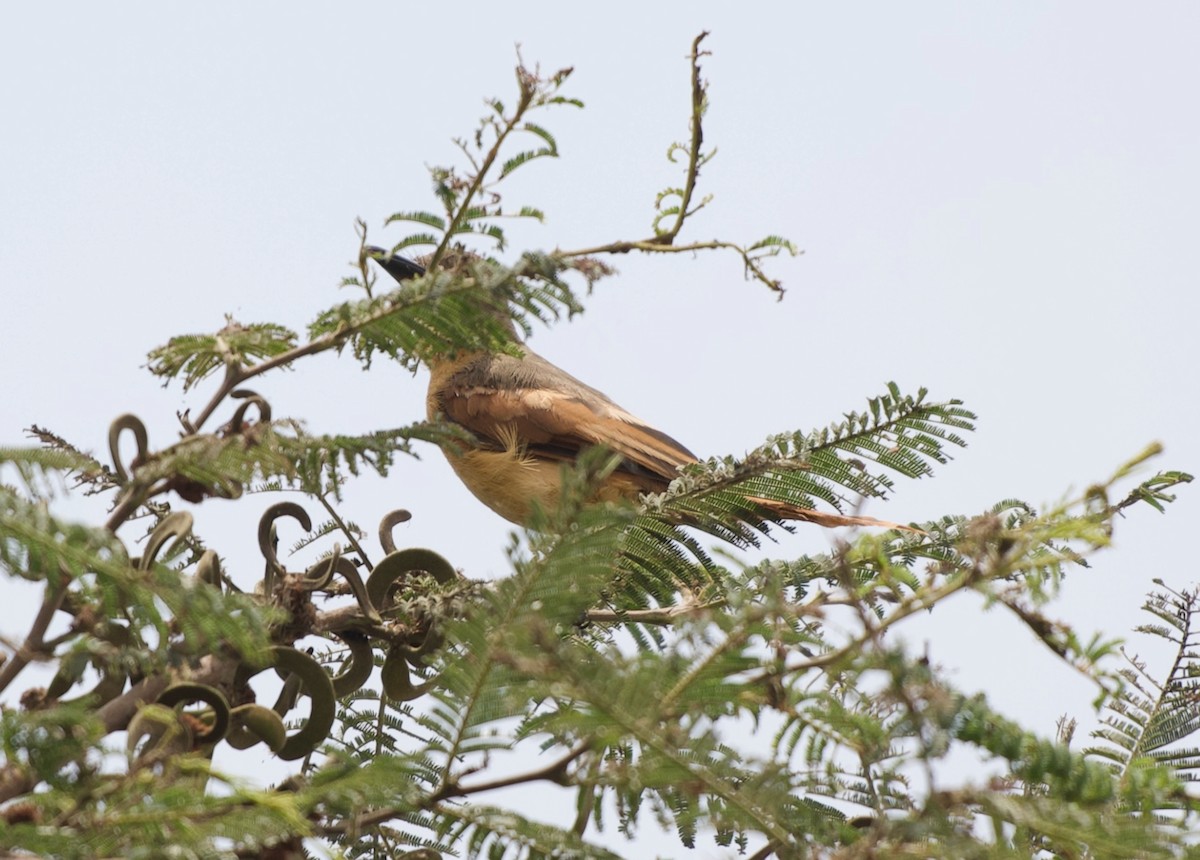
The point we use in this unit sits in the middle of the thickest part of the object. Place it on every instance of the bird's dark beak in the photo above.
(398, 267)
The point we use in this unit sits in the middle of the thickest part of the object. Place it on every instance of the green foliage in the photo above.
(37, 468)
(440, 313)
(280, 453)
(469, 199)
(48, 744)
(141, 616)
(900, 433)
(1148, 719)
(195, 357)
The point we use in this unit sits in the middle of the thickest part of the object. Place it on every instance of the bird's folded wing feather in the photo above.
(554, 415)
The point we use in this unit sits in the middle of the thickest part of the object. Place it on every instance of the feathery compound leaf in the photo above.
(207, 465)
(771, 707)
(491, 231)
(427, 218)
(484, 831)
(441, 312)
(416, 240)
(138, 815)
(1153, 491)
(197, 356)
(551, 147)
(37, 467)
(486, 679)
(1147, 719)
(1033, 760)
(775, 244)
(522, 158)
(36, 545)
(900, 434)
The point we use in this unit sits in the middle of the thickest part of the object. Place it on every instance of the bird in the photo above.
(526, 417)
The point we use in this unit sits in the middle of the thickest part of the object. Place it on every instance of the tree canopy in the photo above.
(629, 659)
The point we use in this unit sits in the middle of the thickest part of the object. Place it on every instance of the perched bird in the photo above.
(527, 417)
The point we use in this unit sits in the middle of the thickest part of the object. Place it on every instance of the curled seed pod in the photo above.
(350, 573)
(266, 536)
(60, 683)
(290, 693)
(358, 669)
(177, 524)
(253, 723)
(317, 685)
(133, 424)
(251, 398)
(355, 672)
(387, 526)
(180, 694)
(398, 566)
(320, 574)
(432, 641)
(208, 569)
(112, 679)
(396, 678)
(111, 684)
(157, 730)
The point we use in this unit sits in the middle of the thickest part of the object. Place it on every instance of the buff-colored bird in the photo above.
(527, 417)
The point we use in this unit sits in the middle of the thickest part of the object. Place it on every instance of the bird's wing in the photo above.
(553, 415)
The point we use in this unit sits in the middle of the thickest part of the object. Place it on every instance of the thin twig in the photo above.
(911, 605)
(345, 529)
(55, 593)
(665, 616)
(528, 90)
(694, 157)
(763, 853)
(657, 246)
(553, 772)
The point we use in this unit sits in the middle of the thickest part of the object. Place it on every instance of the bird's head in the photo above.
(400, 268)
(403, 269)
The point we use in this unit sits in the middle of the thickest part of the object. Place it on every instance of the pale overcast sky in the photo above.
(997, 202)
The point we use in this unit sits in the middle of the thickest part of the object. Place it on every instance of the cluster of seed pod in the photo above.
(193, 715)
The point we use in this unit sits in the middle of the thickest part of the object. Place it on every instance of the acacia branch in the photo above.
(664, 242)
(553, 772)
(694, 156)
(56, 592)
(236, 375)
(528, 87)
(665, 616)
(914, 603)
(657, 246)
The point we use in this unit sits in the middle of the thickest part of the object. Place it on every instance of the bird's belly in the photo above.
(509, 483)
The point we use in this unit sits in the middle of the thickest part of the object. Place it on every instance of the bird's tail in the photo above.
(787, 511)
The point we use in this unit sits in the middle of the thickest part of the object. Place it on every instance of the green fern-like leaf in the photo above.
(280, 453)
(486, 831)
(39, 469)
(1148, 719)
(901, 434)
(197, 356)
(440, 313)
(427, 218)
